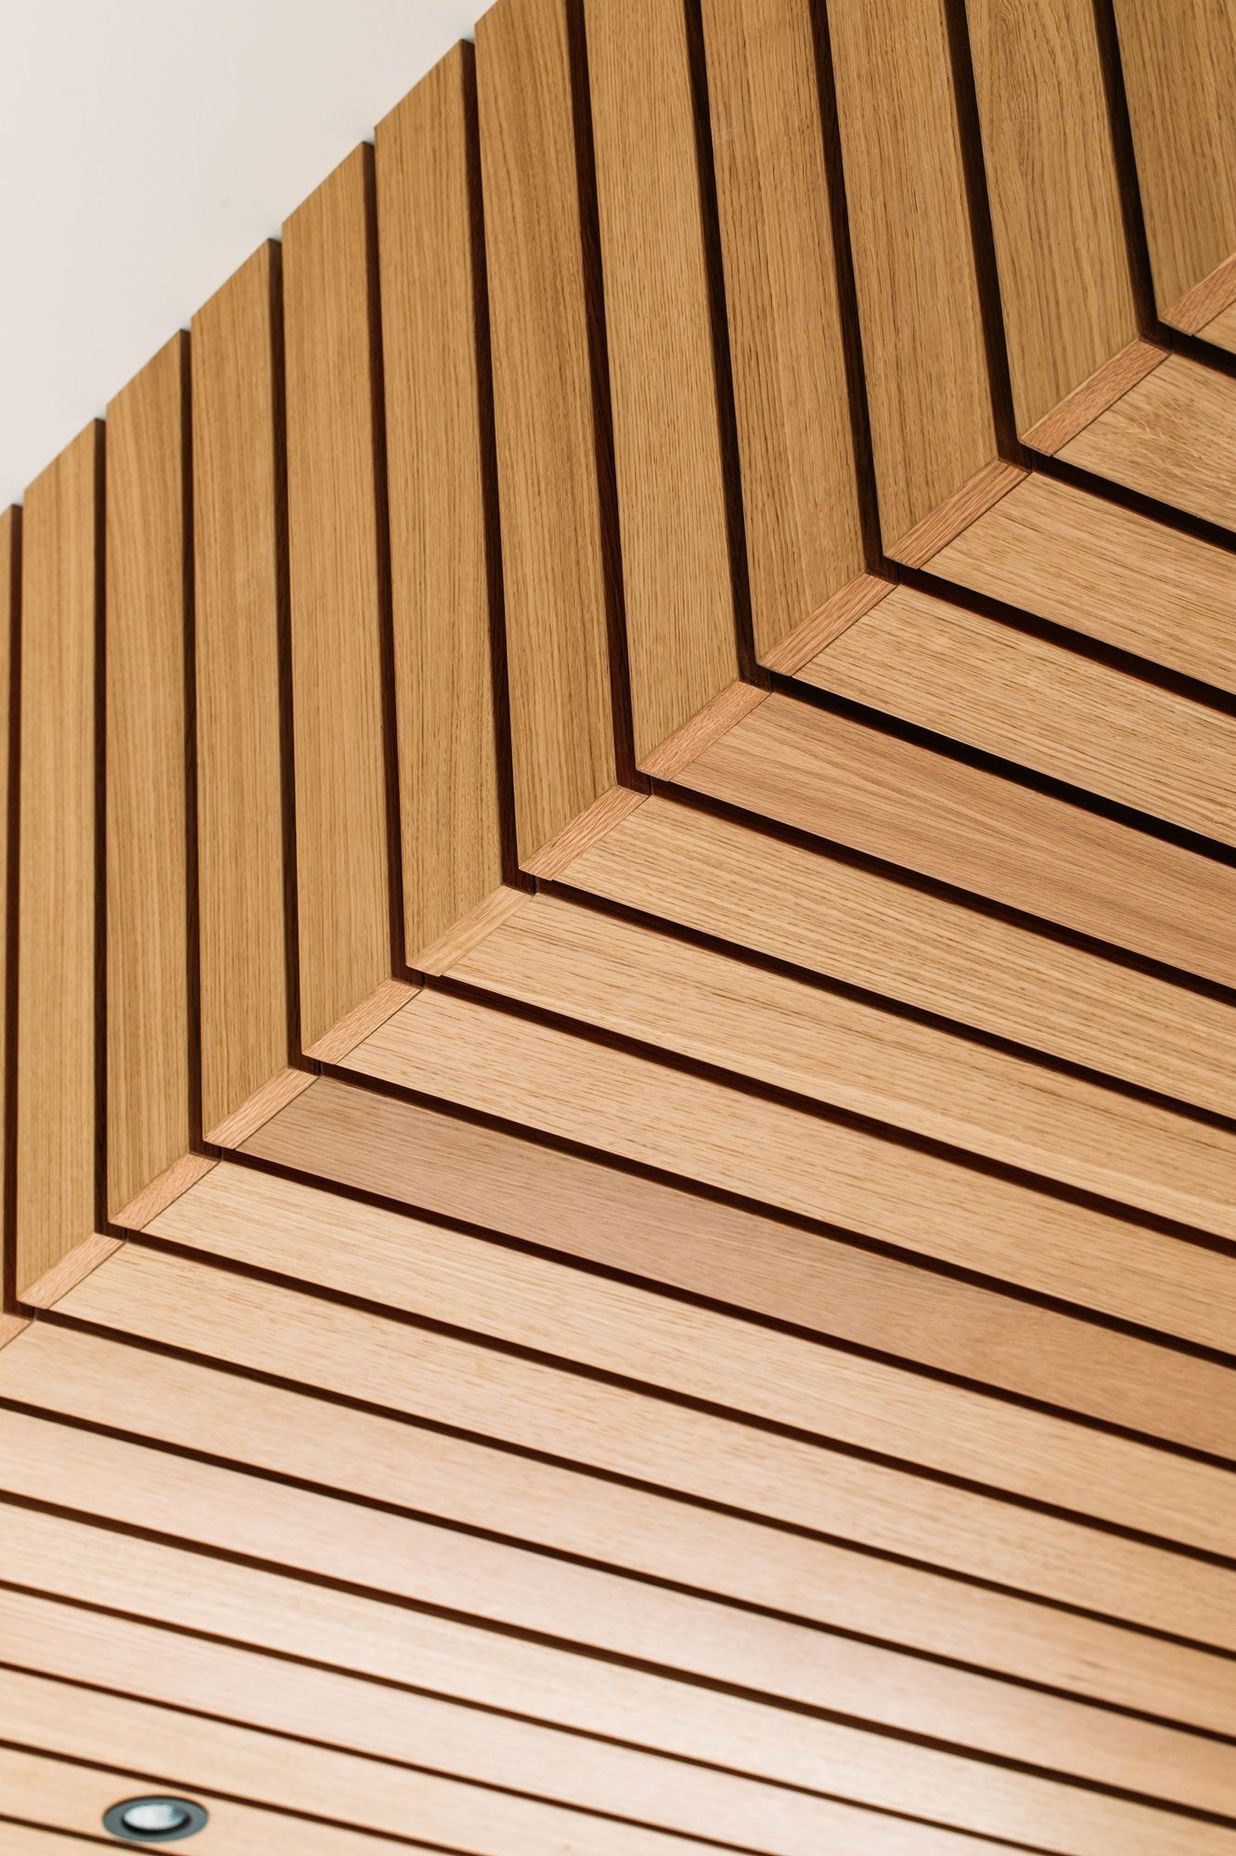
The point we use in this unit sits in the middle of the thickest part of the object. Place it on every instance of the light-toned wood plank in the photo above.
(667, 1235)
(335, 539)
(149, 1049)
(521, 1757)
(402, 1800)
(556, 571)
(10, 634)
(1179, 68)
(1172, 436)
(182, 1589)
(704, 1355)
(866, 929)
(803, 1163)
(1102, 570)
(1032, 701)
(668, 445)
(638, 983)
(805, 549)
(56, 1130)
(612, 1524)
(1066, 286)
(68, 1798)
(933, 428)
(912, 806)
(238, 588)
(1222, 331)
(428, 196)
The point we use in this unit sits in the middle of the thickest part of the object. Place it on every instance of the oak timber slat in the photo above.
(678, 596)
(10, 636)
(638, 983)
(1066, 287)
(184, 1590)
(803, 1163)
(484, 1289)
(805, 549)
(556, 570)
(72, 1798)
(1222, 331)
(933, 429)
(1006, 691)
(241, 1687)
(609, 1429)
(612, 1524)
(1179, 67)
(57, 1131)
(1104, 571)
(334, 542)
(867, 929)
(915, 807)
(404, 1802)
(1172, 436)
(664, 1233)
(238, 587)
(149, 1048)
(429, 209)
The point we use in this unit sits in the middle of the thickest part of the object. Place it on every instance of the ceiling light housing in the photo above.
(156, 1817)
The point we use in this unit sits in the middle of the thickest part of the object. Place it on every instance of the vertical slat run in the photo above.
(239, 588)
(1179, 65)
(436, 399)
(805, 543)
(337, 575)
(1066, 285)
(668, 443)
(933, 423)
(149, 1050)
(10, 622)
(558, 577)
(57, 994)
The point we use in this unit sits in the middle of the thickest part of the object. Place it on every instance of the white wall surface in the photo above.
(146, 148)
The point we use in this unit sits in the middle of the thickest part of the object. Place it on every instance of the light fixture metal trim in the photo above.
(155, 1817)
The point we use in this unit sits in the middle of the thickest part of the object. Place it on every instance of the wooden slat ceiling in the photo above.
(618, 845)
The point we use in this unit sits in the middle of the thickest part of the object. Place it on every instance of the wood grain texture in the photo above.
(548, 1307)
(1179, 69)
(805, 548)
(668, 445)
(335, 543)
(932, 423)
(69, 1798)
(914, 807)
(1222, 331)
(536, 1404)
(1173, 437)
(666, 1235)
(1066, 288)
(521, 1756)
(816, 1167)
(637, 983)
(1029, 700)
(149, 1045)
(188, 1590)
(57, 1130)
(870, 929)
(557, 574)
(428, 196)
(492, 1581)
(1104, 571)
(239, 562)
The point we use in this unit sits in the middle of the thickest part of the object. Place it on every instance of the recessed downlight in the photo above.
(154, 1819)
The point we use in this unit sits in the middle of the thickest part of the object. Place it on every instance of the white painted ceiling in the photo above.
(146, 148)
